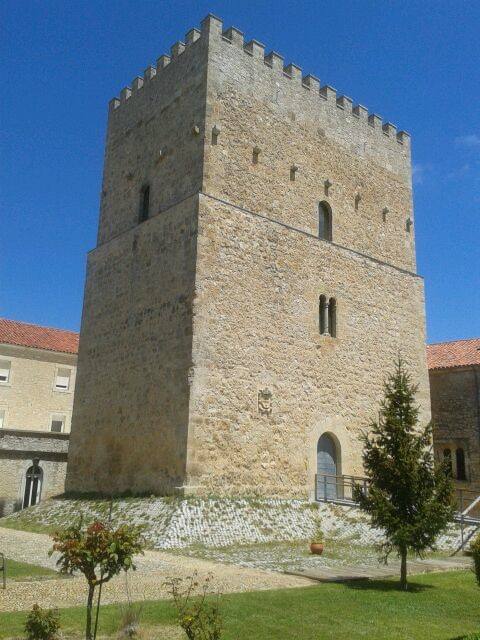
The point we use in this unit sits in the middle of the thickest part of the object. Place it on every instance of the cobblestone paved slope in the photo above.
(178, 523)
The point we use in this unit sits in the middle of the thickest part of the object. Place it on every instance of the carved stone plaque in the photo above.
(265, 402)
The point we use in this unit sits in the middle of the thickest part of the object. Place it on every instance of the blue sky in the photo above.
(415, 63)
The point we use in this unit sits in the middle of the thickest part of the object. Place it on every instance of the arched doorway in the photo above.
(33, 485)
(327, 465)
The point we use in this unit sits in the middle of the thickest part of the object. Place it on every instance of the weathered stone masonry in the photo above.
(18, 449)
(454, 369)
(201, 364)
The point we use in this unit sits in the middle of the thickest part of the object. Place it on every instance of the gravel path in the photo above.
(27, 547)
(146, 583)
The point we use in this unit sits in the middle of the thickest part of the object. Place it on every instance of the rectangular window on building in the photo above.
(2, 418)
(58, 424)
(144, 203)
(62, 379)
(5, 366)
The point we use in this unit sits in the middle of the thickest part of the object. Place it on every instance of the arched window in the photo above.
(33, 485)
(327, 316)
(460, 460)
(447, 458)
(144, 203)
(323, 315)
(332, 317)
(324, 221)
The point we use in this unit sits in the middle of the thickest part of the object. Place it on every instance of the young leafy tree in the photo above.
(99, 552)
(408, 497)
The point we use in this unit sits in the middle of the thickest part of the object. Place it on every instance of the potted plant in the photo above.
(316, 543)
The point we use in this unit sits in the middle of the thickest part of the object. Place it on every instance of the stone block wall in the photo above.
(455, 397)
(131, 406)
(256, 105)
(30, 398)
(256, 326)
(155, 136)
(18, 448)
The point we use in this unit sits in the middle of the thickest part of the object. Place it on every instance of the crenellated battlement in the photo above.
(212, 28)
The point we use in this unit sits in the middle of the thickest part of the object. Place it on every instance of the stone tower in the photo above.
(253, 280)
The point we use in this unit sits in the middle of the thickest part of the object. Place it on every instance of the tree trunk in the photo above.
(88, 629)
(403, 570)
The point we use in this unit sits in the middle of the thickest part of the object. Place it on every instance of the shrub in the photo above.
(198, 616)
(130, 615)
(42, 624)
(475, 549)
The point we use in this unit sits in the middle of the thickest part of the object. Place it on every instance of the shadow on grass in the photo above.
(471, 636)
(386, 585)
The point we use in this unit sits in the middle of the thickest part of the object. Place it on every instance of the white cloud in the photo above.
(418, 173)
(471, 141)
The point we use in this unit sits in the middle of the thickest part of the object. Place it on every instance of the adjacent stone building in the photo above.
(454, 369)
(37, 381)
(253, 281)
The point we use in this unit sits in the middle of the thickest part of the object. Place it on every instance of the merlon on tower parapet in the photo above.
(211, 26)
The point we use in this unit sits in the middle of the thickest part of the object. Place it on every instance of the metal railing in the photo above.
(468, 513)
(340, 490)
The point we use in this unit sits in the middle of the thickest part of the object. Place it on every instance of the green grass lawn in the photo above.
(24, 571)
(439, 606)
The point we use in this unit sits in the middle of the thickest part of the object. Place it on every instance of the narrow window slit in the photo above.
(144, 203)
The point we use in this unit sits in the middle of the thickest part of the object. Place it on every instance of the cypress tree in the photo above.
(408, 497)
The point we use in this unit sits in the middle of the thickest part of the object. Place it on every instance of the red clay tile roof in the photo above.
(460, 353)
(31, 335)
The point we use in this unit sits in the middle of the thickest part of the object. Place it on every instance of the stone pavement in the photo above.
(146, 583)
(358, 572)
(157, 566)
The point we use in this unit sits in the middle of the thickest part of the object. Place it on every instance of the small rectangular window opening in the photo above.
(2, 418)
(58, 424)
(215, 133)
(62, 379)
(460, 460)
(5, 366)
(144, 203)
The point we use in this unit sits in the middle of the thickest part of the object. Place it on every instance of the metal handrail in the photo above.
(467, 499)
(343, 485)
(470, 507)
